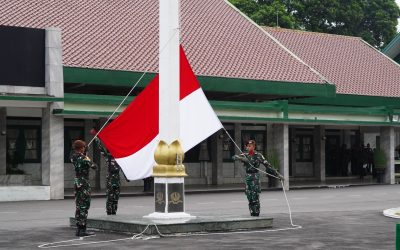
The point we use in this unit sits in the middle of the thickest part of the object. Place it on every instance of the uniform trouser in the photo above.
(253, 191)
(82, 202)
(113, 192)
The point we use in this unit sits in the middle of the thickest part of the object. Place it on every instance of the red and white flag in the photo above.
(134, 135)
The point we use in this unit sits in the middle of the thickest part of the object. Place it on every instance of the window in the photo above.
(258, 136)
(193, 154)
(228, 148)
(71, 133)
(303, 146)
(23, 144)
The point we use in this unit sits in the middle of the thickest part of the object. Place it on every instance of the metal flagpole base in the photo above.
(167, 218)
(169, 197)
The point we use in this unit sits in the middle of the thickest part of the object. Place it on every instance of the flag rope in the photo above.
(134, 86)
(283, 187)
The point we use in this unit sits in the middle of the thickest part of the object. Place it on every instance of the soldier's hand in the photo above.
(93, 131)
(94, 166)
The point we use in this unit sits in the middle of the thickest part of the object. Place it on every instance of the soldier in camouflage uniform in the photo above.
(82, 164)
(113, 182)
(252, 160)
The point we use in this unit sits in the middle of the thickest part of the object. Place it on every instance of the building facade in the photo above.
(305, 105)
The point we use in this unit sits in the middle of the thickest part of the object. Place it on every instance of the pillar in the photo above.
(216, 158)
(319, 153)
(281, 145)
(238, 140)
(347, 141)
(92, 152)
(53, 153)
(270, 137)
(53, 126)
(54, 78)
(387, 145)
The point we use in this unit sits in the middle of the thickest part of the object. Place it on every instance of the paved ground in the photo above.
(336, 218)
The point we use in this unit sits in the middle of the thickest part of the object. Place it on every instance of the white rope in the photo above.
(290, 211)
(240, 150)
(136, 236)
(283, 187)
(134, 86)
(117, 108)
(142, 237)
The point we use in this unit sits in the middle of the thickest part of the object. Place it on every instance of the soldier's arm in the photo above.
(102, 149)
(270, 168)
(84, 160)
(240, 157)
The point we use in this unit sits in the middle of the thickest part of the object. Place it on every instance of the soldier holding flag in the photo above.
(113, 183)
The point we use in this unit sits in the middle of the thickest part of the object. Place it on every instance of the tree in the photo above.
(380, 21)
(373, 20)
(266, 13)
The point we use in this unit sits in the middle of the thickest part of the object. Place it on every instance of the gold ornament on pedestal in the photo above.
(169, 160)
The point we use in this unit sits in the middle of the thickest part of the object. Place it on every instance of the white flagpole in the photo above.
(169, 71)
(169, 172)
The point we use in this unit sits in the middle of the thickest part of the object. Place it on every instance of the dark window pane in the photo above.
(71, 133)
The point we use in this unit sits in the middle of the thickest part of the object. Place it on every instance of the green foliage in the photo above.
(266, 13)
(380, 159)
(373, 20)
(273, 158)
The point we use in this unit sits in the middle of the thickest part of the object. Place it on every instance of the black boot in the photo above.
(81, 232)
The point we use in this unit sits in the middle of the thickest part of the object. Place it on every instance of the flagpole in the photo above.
(169, 172)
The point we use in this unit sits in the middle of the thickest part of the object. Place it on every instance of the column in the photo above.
(347, 141)
(88, 125)
(54, 78)
(101, 171)
(53, 153)
(216, 158)
(281, 145)
(238, 140)
(53, 126)
(3, 141)
(387, 145)
(319, 153)
(270, 137)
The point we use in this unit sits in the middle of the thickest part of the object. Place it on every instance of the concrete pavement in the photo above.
(332, 218)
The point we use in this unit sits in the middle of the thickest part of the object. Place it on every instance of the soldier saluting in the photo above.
(252, 160)
(82, 164)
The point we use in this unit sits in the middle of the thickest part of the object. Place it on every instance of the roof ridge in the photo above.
(312, 32)
(380, 52)
(323, 78)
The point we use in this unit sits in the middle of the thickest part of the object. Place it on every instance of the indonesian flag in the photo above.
(134, 135)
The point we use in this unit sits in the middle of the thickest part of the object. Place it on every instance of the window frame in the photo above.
(68, 147)
(299, 147)
(38, 143)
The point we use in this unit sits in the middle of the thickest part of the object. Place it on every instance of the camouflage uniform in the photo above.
(252, 178)
(81, 186)
(113, 180)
